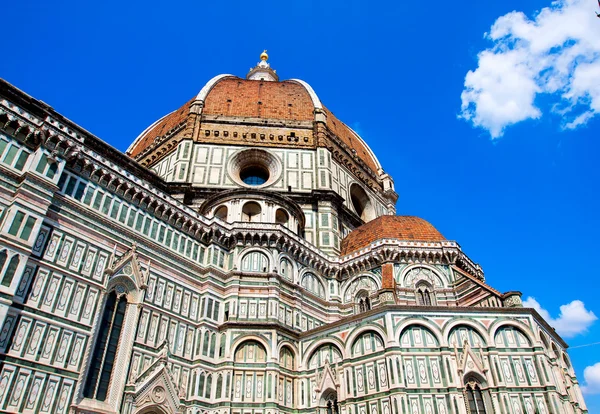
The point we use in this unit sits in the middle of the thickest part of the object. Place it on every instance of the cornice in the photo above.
(38, 124)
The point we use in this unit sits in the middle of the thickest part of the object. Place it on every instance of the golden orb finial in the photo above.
(264, 56)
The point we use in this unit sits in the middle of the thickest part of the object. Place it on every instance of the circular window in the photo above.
(254, 175)
(254, 168)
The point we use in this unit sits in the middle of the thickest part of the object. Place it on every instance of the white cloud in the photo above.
(592, 379)
(557, 53)
(573, 320)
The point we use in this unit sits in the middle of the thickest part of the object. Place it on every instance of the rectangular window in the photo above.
(216, 314)
(123, 215)
(169, 236)
(21, 160)
(79, 192)
(175, 241)
(26, 232)
(139, 221)
(52, 171)
(131, 217)
(10, 155)
(154, 229)
(3, 145)
(115, 209)
(41, 167)
(88, 195)
(70, 185)
(147, 226)
(106, 204)
(161, 234)
(16, 224)
(97, 200)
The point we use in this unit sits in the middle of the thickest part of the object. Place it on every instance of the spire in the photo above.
(262, 70)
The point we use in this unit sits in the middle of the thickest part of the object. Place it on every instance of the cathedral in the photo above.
(244, 256)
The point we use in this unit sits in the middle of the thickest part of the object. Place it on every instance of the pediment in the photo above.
(327, 379)
(128, 266)
(469, 361)
(155, 388)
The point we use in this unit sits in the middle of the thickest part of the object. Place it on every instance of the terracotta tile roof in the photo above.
(271, 100)
(390, 227)
(158, 130)
(286, 100)
(349, 138)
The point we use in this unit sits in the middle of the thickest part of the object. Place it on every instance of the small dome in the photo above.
(407, 228)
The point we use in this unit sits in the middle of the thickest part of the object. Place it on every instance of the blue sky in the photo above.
(504, 160)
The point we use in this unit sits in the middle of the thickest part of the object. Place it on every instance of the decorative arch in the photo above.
(367, 342)
(250, 351)
(461, 333)
(359, 331)
(316, 345)
(503, 327)
(424, 323)
(411, 275)
(476, 326)
(153, 409)
(240, 340)
(363, 281)
(254, 260)
(418, 335)
(326, 352)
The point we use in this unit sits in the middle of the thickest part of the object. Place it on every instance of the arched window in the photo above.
(9, 273)
(255, 262)
(361, 203)
(331, 402)
(221, 213)
(475, 396)
(286, 269)
(332, 406)
(286, 358)
(311, 283)
(105, 349)
(251, 212)
(282, 217)
(363, 303)
(424, 294)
